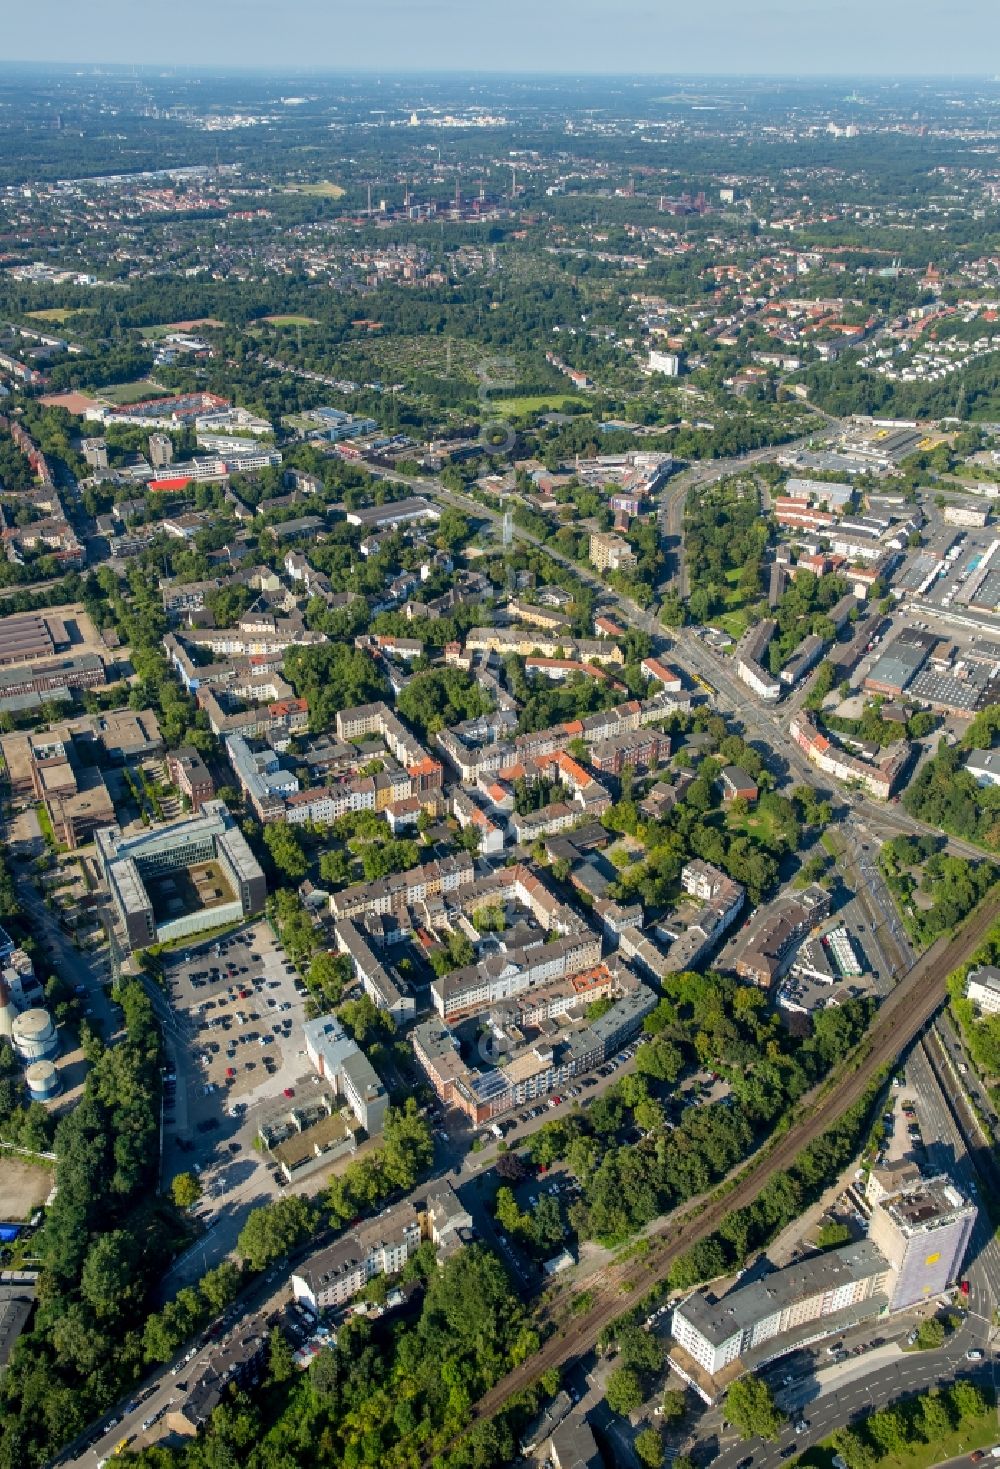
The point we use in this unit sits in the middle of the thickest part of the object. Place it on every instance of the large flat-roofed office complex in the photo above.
(924, 1232)
(179, 879)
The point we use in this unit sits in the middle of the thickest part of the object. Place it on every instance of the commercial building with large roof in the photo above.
(174, 880)
(900, 662)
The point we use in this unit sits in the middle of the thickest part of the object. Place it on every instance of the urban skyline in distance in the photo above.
(724, 37)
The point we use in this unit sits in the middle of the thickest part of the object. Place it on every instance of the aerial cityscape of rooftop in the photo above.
(499, 738)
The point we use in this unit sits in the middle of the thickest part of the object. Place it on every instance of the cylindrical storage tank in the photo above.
(43, 1081)
(35, 1036)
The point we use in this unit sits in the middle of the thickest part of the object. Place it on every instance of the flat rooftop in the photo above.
(718, 1321)
(927, 1205)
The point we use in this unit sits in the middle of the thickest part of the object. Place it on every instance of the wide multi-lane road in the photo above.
(901, 1018)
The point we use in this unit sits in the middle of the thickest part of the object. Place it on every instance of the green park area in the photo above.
(532, 403)
(736, 617)
(761, 823)
(59, 314)
(291, 319)
(123, 393)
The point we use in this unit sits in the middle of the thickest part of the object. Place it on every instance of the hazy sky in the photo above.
(883, 37)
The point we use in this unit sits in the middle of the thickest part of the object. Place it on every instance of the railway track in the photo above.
(900, 1019)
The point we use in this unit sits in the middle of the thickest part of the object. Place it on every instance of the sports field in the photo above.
(536, 403)
(291, 320)
(324, 189)
(122, 393)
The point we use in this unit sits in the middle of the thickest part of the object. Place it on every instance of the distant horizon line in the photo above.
(164, 70)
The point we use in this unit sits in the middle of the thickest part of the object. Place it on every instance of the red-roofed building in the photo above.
(181, 482)
(662, 673)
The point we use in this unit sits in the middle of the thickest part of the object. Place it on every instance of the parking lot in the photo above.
(235, 1033)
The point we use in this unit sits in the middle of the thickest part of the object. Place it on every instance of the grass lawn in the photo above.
(735, 619)
(734, 623)
(133, 392)
(154, 333)
(760, 825)
(533, 403)
(47, 830)
(292, 320)
(977, 1434)
(60, 313)
(322, 190)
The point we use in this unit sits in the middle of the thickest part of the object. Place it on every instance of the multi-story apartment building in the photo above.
(526, 641)
(802, 1303)
(180, 597)
(609, 552)
(878, 777)
(189, 773)
(982, 987)
(564, 1045)
(426, 772)
(500, 977)
(775, 932)
(483, 751)
(750, 650)
(391, 894)
(337, 1274)
(641, 749)
(338, 1059)
(378, 984)
(923, 1231)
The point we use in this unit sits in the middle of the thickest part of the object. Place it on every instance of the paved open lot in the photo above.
(234, 1032)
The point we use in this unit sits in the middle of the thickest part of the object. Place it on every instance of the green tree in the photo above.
(327, 974)
(935, 1416)
(853, 1449)
(751, 1408)
(407, 1145)
(930, 1334)
(280, 1366)
(331, 677)
(967, 1401)
(648, 1446)
(674, 1406)
(889, 1430)
(624, 1391)
(220, 1286)
(106, 1278)
(185, 1190)
(274, 1230)
(287, 853)
(640, 1350)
